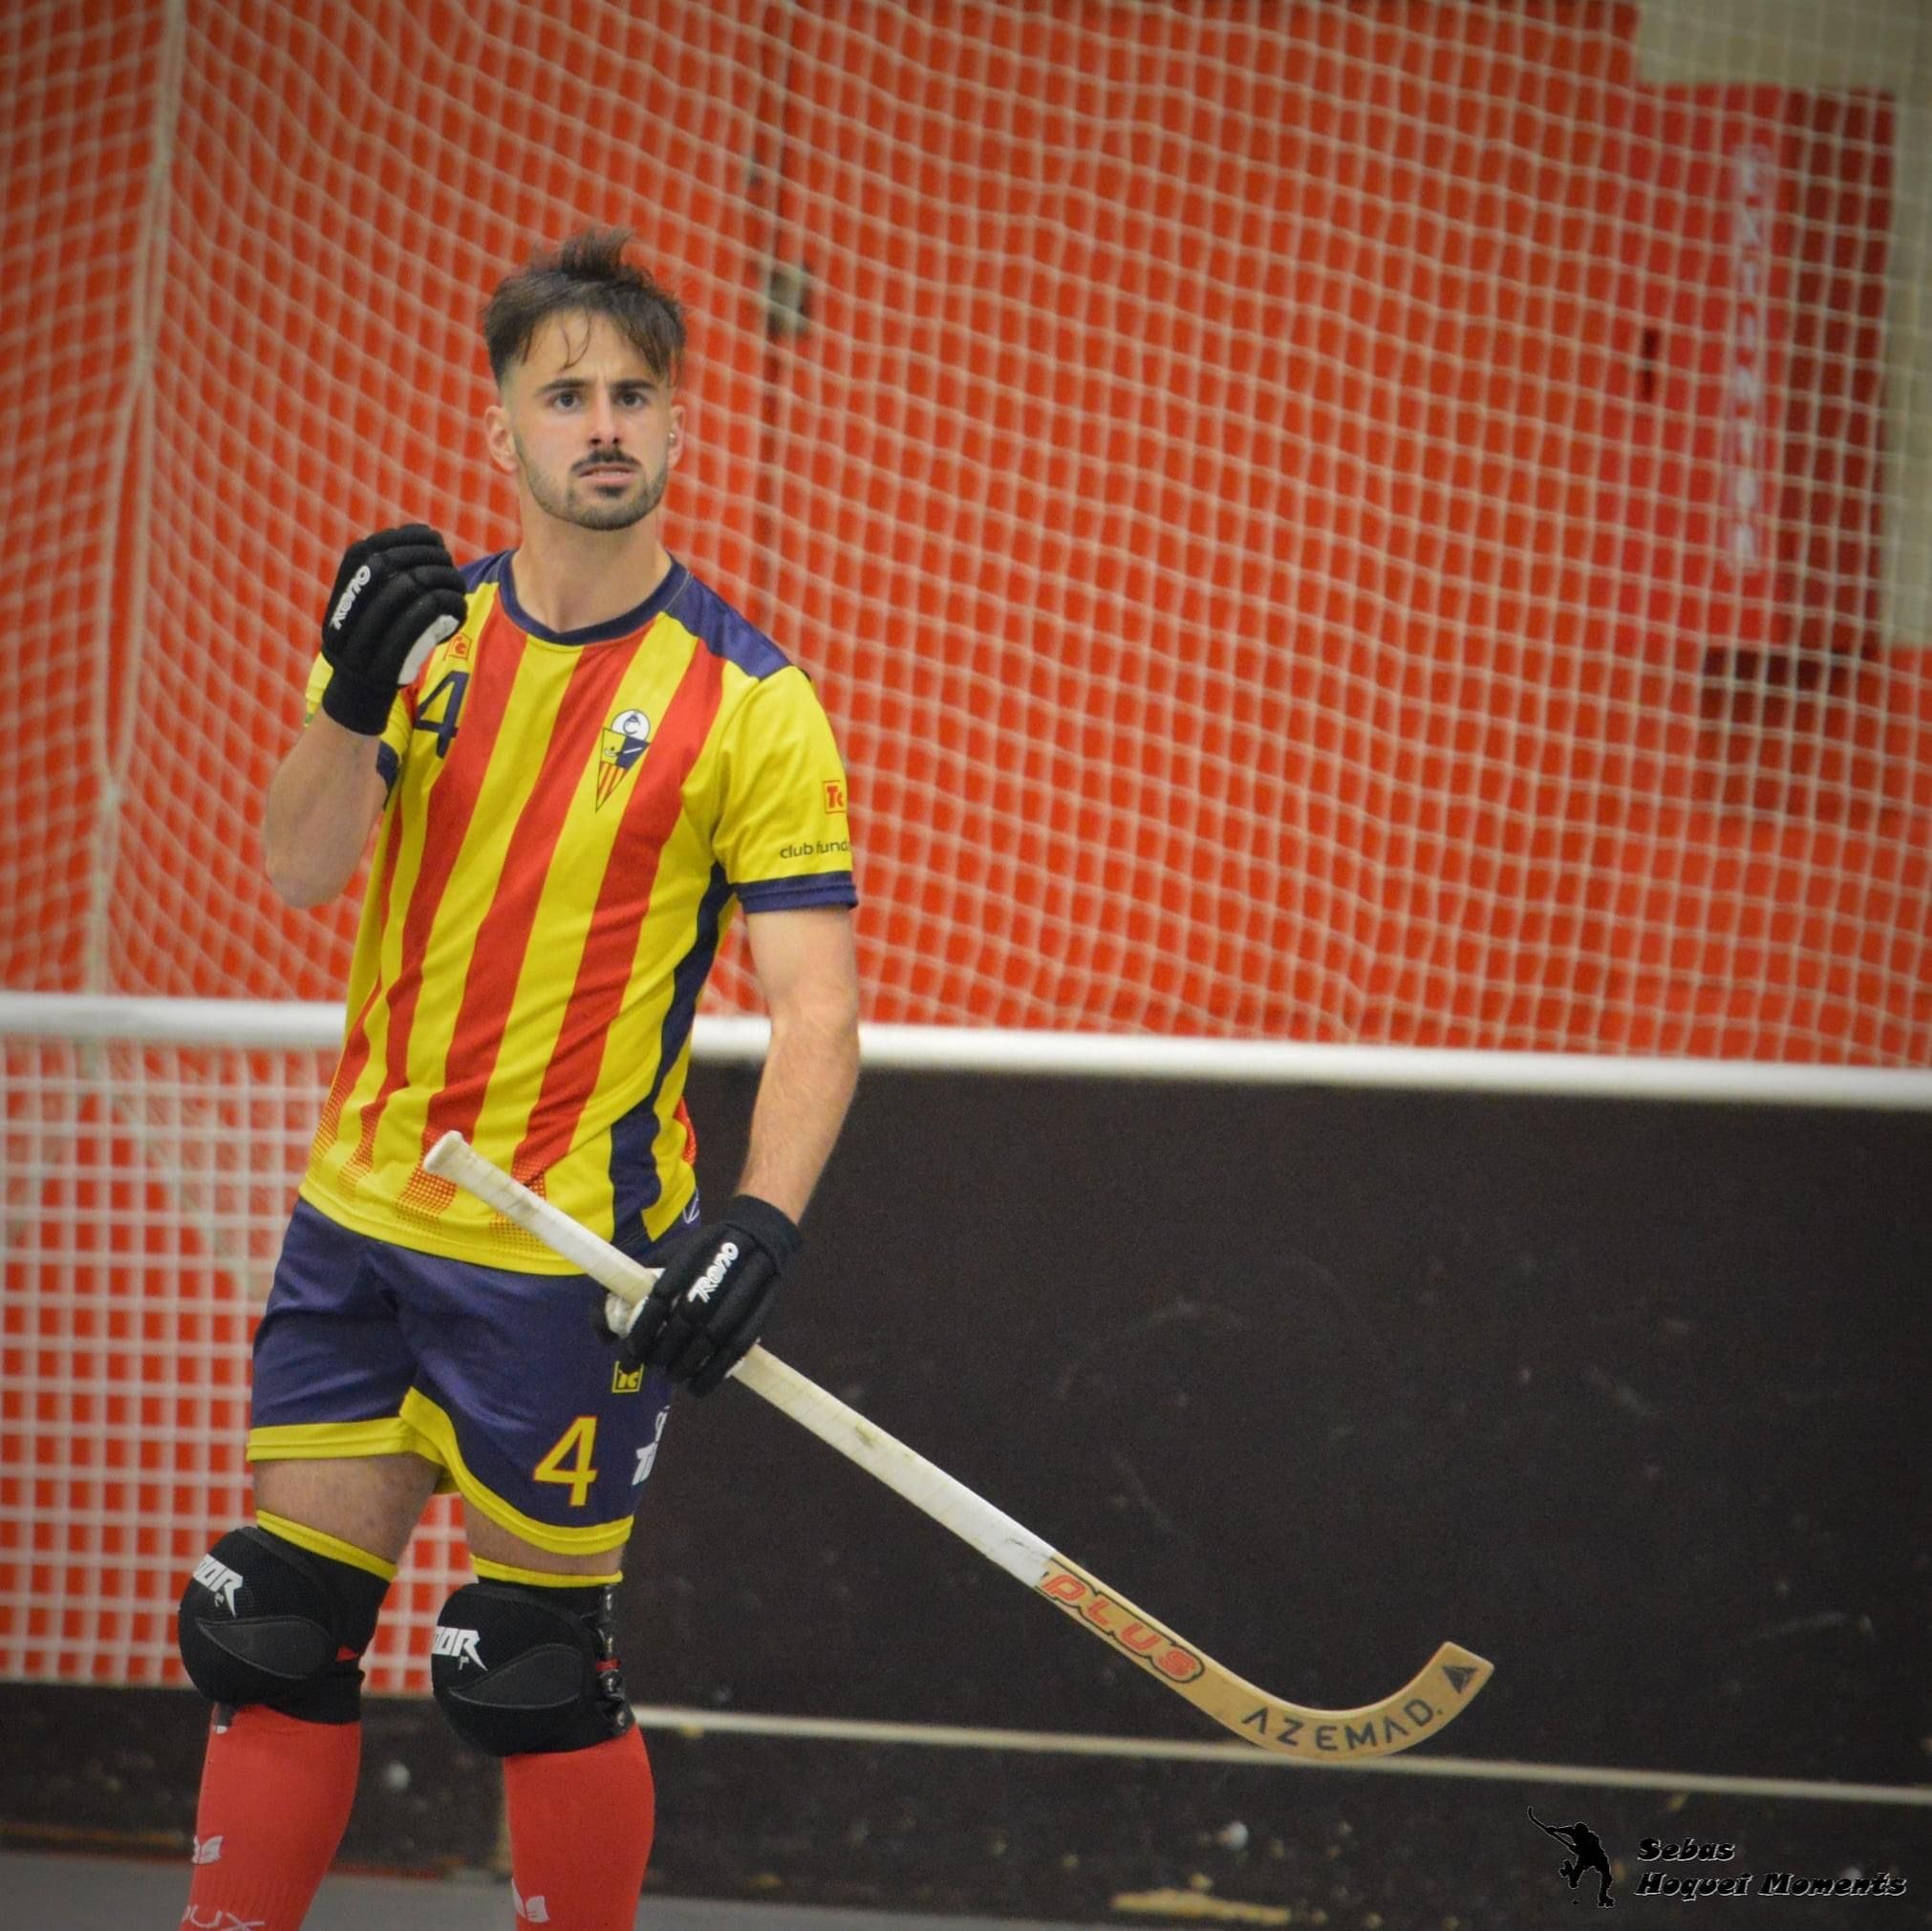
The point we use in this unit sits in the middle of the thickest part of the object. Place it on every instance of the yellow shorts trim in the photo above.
(434, 1428)
(319, 1542)
(541, 1578)
(323, 1441)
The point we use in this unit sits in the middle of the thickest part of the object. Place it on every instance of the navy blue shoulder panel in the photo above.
(483, 570)
(724, 632)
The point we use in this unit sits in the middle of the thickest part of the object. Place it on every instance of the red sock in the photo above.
(275, 1799)
(580, 1834)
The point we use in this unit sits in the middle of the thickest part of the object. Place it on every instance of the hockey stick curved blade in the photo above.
(1435, 1696)
(1431, 1700)
(1422, 1707)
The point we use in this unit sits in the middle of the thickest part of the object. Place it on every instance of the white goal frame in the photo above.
(317, 1024)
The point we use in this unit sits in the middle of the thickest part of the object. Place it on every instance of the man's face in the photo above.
(592, 433)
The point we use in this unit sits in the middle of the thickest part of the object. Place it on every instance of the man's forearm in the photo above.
(321, 804)
(809, 1074)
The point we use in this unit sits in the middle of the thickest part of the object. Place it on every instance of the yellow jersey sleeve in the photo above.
(783, 830)
(393, 743)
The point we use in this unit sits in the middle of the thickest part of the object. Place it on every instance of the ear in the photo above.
(497, 438)
(673, 453)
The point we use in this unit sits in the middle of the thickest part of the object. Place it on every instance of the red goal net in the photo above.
(1389, 522)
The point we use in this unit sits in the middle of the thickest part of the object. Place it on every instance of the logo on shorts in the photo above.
(626, 739)
(460, 1644)
(219, 1580)
(626, 1381)
(208, 1852)
(647, 1455)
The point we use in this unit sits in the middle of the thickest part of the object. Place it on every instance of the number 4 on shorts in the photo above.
(569, 1461)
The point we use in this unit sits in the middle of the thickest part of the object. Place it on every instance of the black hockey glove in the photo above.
(396, 596)
(713, 1294)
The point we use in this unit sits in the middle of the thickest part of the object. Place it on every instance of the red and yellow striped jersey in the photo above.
(571, 819)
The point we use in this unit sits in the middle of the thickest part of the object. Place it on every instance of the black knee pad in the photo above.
(265, 1622)
(520, 1670)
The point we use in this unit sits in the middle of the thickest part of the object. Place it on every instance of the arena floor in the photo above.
(119, 1893)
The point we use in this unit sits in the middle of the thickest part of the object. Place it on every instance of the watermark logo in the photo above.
(1587, 1856)
(1692, 1870)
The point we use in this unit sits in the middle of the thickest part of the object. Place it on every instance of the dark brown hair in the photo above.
(585, 275)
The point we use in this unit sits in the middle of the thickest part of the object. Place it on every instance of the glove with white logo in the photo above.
(396, 596)
(705, 1312)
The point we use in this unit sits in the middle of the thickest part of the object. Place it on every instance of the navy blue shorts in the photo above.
(366, 1348)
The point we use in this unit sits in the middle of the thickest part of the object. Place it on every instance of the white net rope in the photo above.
(147, 1187)
(1394, 524)
(1398, 524)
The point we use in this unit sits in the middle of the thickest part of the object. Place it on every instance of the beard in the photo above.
(573, 499)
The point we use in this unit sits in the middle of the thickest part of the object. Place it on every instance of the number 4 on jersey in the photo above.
(448, 694)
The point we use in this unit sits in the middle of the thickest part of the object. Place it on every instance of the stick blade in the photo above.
(1420, 1711)
(1432, 1698)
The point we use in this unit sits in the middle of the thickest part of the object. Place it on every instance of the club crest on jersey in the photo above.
(626, 739)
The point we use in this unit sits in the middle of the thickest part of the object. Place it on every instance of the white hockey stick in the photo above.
(1438, 1694)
